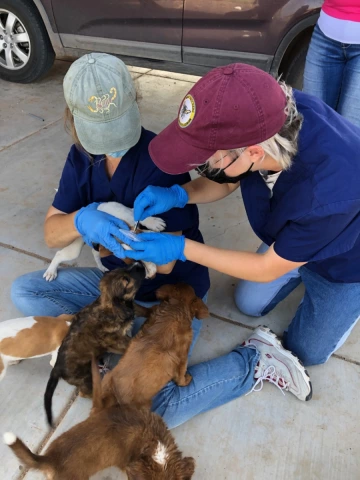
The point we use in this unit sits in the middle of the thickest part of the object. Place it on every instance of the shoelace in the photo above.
(270, 375)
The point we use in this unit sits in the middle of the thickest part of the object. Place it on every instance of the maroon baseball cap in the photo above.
(230, 107)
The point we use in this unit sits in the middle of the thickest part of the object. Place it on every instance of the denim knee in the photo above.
(246, 300)
(309, 355)
(18, 289)
(21, 289)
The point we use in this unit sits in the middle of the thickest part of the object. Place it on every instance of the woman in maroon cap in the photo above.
(295, 158)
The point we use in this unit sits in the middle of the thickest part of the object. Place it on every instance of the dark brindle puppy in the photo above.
(98, 328)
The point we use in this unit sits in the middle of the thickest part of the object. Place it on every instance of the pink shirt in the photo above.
(343, 9)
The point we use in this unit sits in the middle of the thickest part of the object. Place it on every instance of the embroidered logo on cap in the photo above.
(102, 104)
(187, 111)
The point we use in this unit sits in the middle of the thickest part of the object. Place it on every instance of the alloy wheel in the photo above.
(15, 46)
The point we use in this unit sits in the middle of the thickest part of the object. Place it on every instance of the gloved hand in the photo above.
(155, 200)
(98, 227)
(159, 248)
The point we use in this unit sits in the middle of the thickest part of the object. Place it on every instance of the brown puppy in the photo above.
(159, 352)
(134, 440)
(98, 328)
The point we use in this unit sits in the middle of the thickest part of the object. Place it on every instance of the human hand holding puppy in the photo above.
(105, 229)
(97, 227)
(159, 248)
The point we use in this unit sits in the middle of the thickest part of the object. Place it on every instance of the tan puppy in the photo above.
(31, 337)
(159, 352)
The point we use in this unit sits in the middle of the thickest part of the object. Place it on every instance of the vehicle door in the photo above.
(142, 28)
(250, 31)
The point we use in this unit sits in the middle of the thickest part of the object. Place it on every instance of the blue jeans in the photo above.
(332, 73)
(325, 317)
(214, 383)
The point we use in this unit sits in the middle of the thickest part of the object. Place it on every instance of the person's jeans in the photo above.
(325, 317)
(332, 73)
(214, 383)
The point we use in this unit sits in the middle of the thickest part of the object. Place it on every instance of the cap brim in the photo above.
(173, 155)
(107, 137)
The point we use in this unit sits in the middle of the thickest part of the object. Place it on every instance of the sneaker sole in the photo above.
(267, 333)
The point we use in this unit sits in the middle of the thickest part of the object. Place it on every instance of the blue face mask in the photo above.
(118, 154)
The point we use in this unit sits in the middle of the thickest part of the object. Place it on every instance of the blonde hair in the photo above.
(283, 146)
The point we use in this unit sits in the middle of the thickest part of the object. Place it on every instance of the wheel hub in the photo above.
(15, 47)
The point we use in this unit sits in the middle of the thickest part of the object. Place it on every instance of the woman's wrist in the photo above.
(60, 230)
(188, 251)
(73, 226)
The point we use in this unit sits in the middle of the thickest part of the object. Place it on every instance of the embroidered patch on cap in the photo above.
(102, 104)
(187, 111)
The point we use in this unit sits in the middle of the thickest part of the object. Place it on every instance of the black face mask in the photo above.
(219, 175)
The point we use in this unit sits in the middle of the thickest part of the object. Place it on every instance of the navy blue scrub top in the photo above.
(314, 213)
(83, 182)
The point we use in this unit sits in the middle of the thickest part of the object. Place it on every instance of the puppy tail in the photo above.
(49, 392)
(26, 457)
(96, 385)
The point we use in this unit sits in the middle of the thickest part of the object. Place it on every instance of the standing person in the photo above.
(297, 161)
(332, 69)
(104, 117)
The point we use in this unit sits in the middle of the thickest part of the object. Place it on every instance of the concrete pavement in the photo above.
(261, 436)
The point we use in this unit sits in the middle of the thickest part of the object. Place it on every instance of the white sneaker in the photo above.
(278, 366)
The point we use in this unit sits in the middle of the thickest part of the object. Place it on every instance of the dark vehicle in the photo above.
(182, 35)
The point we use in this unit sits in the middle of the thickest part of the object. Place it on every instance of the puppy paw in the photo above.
(150, 269)
(154, 223)
(184, 382)
(188, 379)
(50, 275)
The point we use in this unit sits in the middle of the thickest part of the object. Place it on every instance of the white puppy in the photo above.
(118, 210)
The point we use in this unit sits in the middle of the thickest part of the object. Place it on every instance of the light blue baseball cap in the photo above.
(101, 95)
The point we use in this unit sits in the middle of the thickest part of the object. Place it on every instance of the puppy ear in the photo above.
(187, 468)
(200, 310)
(112, 288)
(166, 292)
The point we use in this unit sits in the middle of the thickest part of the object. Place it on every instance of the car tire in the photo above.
(293, 71)
(31, 55)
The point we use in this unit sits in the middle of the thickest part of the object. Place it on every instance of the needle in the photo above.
(136, 226)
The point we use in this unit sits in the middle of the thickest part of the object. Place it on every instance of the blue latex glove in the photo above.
(98, 227)
(155, 200)
(159, 248)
